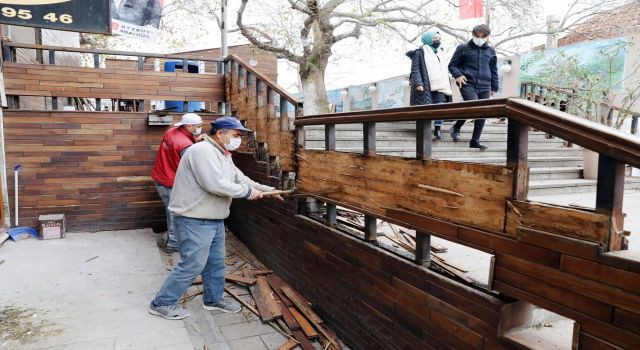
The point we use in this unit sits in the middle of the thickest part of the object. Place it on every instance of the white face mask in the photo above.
(197, 132)
(479, 41)
(234, 143)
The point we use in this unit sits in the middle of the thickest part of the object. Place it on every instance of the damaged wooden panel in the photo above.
(461, 192)
(559, 220)
(252, 101)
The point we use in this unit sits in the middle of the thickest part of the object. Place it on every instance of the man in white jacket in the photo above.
(206, 182)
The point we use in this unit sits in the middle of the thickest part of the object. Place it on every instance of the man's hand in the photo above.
(461, 80)
(493, 93)
(200, 138)
(420, 88)
(279, 197)
(255, 194)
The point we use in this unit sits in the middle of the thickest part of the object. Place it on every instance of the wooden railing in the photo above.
(563, 99)
(264, 106)
(80, 84)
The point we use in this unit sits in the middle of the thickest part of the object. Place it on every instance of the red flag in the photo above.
(471, 9)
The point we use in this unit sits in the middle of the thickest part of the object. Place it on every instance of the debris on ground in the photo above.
(23, 326)
(95, 257)
(267, 296)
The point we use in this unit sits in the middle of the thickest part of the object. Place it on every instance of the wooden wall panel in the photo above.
(64, 81)
(460, 192)
(405, 306)
(92, 166)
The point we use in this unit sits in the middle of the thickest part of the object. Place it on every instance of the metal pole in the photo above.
(224, 52)
(16, 169)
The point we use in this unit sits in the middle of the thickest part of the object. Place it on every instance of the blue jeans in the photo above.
(202, 252)
(165, 194)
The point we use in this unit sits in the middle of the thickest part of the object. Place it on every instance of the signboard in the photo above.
(138, 19)
(92, 16)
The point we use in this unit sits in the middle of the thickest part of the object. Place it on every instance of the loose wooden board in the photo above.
(378, 182)
(564, 221)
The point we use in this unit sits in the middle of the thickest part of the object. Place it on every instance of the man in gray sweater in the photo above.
(206, 182)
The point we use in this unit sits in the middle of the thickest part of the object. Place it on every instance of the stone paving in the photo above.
(92, 290)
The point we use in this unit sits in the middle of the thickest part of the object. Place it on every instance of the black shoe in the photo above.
(437, 133)
(477, 144)
(455, 134)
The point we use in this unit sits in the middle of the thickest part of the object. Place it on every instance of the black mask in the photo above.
(435, 44)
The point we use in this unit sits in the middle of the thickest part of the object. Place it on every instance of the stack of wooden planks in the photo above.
(275, 302)
(406, 239)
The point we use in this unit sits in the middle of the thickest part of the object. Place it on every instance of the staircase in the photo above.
(554, 168)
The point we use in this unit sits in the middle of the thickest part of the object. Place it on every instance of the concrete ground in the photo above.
(92, 290)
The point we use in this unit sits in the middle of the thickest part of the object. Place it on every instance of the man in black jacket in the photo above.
(474, 66)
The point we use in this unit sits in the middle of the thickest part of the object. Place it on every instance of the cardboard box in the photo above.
(52, 226)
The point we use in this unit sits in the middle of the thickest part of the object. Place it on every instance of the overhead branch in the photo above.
(248, 33)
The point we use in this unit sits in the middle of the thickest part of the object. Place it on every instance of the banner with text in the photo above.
(90, 16)
(138, 19)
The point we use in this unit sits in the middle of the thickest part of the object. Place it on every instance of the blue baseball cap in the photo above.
(228, 123)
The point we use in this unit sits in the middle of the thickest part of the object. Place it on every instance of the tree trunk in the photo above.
(315, 93)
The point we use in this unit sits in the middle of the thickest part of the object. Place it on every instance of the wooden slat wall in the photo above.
(254, 106)
(65, 81)
(92, 166)
(549, 256)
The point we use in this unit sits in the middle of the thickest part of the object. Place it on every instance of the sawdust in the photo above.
(22, 326)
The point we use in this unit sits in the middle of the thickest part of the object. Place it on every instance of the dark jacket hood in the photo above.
(412, 53)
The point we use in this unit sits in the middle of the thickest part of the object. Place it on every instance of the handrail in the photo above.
(449, 111)
(588, 134)
(274, 86)
(107, 52)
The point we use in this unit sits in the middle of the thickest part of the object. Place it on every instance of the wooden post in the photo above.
(96, 60)
(6, 54)
(185, 106)
(54, 103)
(52, 57)
(271, 103)
(330, 145)
(38, 40)
(517, 151)
(609, 195)
(370, 228)
(423, 248)
(634, 125)
(423, 139)
(300, 132)
(140, 63)
(284, 114)
(185, 65)
(369, 133)
(140, 105)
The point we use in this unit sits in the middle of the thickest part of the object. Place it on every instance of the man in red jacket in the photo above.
(174, 142)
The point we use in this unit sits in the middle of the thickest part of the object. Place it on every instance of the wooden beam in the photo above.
(370, 228)
(517, 152)
(330, 137)
(52, 57)
(609, 197)
(423, 139)
(140, 63)
(284, 114)
(423, 248)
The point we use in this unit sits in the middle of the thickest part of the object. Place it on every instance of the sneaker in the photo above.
(226, 304)
(170, 312)
(477, 144)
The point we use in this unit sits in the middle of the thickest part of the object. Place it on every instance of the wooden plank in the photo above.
(240, 279)
(306, 327)
(595, 271)
(289, 345)
(553, 277)
(276, 284)
(565, 245)
(304, 343)
(564, 221)
(378, 182)
(627, 320)
(302, 305)
(267, 295)
(590, 342)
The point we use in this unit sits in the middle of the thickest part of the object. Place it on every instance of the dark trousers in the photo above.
(470, 93)
(438, 97)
